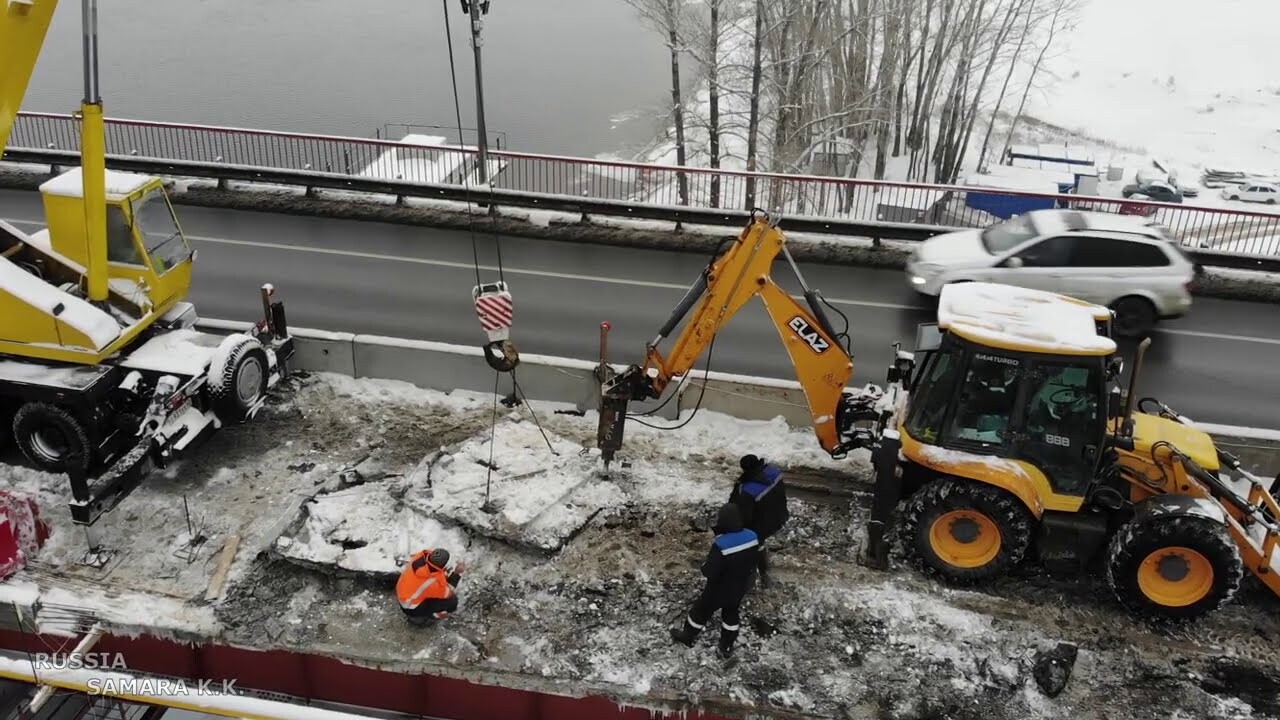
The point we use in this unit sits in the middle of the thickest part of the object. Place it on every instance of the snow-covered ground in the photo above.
(1188, 80)
(829, 639)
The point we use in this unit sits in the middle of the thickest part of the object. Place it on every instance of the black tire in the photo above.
(1271, 201)
(52, 438)
(1135, 317)
(242, 381)
(1150, 542)
(955, 510)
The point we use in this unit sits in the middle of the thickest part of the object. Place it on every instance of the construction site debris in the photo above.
(829, 639)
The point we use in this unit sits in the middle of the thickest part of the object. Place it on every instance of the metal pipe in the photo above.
(89, 33)
(93, 152)
(1127, 427)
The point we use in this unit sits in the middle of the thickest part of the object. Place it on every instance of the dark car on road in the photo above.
(1157, 191)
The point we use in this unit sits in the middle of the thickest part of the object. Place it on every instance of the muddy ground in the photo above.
(830, 638)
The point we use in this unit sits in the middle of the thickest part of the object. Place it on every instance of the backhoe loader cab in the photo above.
(1016, 441)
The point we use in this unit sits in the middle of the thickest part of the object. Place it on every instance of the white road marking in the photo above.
(469, 266)
(1220, 336)
(593, 278)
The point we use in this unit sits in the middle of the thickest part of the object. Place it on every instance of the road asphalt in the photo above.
(1220, 364)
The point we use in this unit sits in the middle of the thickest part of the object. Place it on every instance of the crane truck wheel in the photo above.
(1173, 568)
(52, 438)
(966, 532)
(239, 380)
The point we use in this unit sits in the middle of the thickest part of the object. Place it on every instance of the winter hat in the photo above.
(729, 519)
(439, 557)
(750, 463)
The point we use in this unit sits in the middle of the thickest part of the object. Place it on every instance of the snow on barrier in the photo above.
(445, 367)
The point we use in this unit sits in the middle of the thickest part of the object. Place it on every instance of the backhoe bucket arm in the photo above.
(734, 278)
(822, 367)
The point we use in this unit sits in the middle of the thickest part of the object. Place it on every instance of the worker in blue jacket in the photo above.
(728, 570)
(761, 495)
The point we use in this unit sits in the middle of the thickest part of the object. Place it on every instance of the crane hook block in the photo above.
(495, 310)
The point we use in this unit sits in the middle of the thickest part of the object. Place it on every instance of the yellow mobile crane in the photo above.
(100, 367)
(1005, 432)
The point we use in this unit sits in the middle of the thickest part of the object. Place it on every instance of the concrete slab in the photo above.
(538, 494)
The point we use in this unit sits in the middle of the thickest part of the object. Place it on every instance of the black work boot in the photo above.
(763, 565)
(686, 635)
(727, 638)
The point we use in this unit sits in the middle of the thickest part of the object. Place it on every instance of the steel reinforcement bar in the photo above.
(848, 206)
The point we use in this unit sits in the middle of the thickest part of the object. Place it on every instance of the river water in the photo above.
(577, 77)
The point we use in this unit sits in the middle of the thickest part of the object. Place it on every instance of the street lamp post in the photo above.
(477, 9)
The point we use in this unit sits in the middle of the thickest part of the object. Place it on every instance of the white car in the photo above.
(1253, 192)
(1126, 263)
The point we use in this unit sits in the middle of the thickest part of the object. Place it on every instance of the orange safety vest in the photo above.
(421, 581)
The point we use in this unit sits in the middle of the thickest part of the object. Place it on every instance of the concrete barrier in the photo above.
(446, 367)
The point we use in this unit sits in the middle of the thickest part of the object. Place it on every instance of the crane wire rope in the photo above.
(466, 177)
(475, 252)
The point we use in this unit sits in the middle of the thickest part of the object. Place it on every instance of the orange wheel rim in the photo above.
(965, 538)
(1175, 576)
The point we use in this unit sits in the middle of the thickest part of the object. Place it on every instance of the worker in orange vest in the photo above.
(426, 590)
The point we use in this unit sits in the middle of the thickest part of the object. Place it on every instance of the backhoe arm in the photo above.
(734, 278)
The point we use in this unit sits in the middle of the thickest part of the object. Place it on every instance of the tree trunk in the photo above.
(1035, 69)
(1004, 88)
(971, 117)
(713, 82)
(677, 101)
(753, 121)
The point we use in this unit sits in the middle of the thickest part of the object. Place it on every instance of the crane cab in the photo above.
(148, 257)
(45, 276)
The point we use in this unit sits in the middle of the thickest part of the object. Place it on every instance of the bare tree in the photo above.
(667, 17)
(1004, 87)
(1063, 13)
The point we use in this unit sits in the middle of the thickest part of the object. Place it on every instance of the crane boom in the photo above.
(741, 273)
(26, 24)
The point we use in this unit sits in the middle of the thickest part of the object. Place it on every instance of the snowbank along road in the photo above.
(1216, 365)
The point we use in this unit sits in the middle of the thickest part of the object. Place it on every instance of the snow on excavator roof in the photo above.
(71, 184)
(1021, 319)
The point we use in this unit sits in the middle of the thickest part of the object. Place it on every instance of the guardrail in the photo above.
(882, 209)
(446, 367)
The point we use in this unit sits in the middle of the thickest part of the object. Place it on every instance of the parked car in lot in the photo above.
(1157, 190)
(1253, 192)
(1126, 263)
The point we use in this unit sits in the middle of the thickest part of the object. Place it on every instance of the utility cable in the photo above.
(706, 371)
(493, 427)
(457, 111)
(525, 399)
(466, 177)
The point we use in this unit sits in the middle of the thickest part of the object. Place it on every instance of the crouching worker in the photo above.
(427, 592)
(728, 570)
(761, 495)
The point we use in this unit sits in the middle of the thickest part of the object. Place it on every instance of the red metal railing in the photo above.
(1232, 231)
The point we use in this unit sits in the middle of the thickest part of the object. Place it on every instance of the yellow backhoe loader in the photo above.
(101, 371)
(1005, 435)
